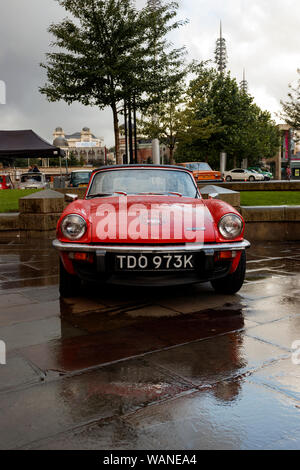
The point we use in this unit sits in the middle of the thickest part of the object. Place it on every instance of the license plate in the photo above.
(154, 262)
(83, 186)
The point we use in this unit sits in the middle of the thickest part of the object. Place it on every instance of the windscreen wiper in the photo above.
(123, 193)
(91, 196)
(163, 193)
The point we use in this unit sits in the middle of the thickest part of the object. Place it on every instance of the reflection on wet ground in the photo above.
(171, 368)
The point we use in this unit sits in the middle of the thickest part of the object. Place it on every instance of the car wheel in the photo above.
(232, 283)
(228, 178)
(69, 284)
(251, 178)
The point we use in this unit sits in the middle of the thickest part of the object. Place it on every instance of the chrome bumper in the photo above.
(188, 247)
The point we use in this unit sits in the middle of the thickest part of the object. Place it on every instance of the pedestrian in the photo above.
(30, 169)
(289, 173)
(35, 169)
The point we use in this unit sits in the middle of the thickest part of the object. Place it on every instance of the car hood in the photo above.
(136, 219)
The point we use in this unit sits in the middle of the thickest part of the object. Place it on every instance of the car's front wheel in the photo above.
(251, 178)
(232, 283)
(228, 178)
(69, 284)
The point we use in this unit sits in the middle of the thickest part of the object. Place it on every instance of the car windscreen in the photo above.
(138, 181)
(32, 177)
(200, 166)
(1, 179)
(83, 177)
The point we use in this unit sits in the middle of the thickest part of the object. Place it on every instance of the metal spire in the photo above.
(154, 4)
(220, 52)
(244, 83)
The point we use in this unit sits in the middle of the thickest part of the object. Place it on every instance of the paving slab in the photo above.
(135, 368)
(207, 362)
(281, 333)
(233, 415)
(44, 410)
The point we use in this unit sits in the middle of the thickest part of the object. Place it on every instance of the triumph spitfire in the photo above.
(148, 225)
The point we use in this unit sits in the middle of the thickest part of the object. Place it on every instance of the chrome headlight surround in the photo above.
(230, 226)
(73, 226)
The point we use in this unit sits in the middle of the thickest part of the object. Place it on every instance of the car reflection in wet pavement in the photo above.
(169, 368)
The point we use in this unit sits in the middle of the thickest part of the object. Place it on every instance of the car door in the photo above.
(237, 174)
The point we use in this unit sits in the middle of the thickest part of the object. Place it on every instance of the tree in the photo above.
(106, 54)
(176, 119)
(95, 53)
(73, 161)
(162, 120)
(291, 107)
(237, 126)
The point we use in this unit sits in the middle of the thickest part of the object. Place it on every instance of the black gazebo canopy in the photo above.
(26, 144)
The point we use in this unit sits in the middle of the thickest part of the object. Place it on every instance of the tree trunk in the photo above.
(126, 131)
(119, 157)
(171, 149)
(130, 132)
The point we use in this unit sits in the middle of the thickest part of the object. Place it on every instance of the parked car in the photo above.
(80, 178)
(239, 174)
(148, 225)
(203, 173)
(6, 182)
(267, 174)
(33, 180)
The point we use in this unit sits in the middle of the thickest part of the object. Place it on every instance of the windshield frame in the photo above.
(89, 196)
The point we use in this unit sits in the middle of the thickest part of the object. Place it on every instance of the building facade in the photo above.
(84, 146)
(289, 138)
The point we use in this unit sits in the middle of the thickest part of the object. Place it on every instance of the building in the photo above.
(288, 138)
(84, 146)
(144, 149)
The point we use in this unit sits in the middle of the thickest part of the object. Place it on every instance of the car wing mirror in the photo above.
(71, 197)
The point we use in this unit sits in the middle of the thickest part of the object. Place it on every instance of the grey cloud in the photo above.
(262, 36)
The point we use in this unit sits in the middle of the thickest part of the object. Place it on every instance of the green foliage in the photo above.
(73, 161)
(291, 107)
(109, 51)
(227, 120)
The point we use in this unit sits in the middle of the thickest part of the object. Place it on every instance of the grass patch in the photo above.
(270, 198)
(9, 199)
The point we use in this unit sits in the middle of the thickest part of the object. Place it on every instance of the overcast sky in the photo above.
(263, 36)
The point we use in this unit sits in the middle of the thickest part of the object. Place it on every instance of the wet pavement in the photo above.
(169, 368)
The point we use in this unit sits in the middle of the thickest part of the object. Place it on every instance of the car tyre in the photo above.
(228, 178)
(251, 178)
(232, 283)
(69, 285)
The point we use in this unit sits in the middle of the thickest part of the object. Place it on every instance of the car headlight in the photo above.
(73, 226)
(230, 226)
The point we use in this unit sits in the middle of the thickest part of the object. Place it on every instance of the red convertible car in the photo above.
(148, 225)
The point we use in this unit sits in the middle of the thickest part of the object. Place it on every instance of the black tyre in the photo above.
(228, 178)
(232, 283)
(251, 178)
(69, 285)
